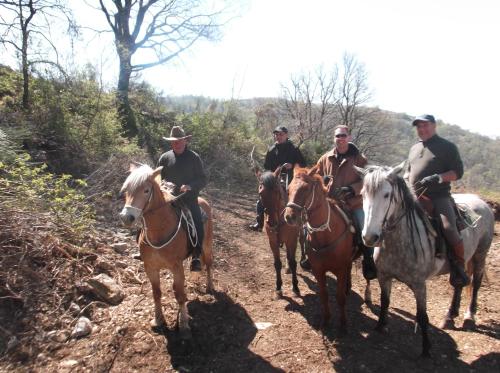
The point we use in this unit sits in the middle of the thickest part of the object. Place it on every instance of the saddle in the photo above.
(466, 217)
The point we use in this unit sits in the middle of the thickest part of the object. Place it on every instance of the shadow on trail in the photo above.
(364, 349)
(222, 332)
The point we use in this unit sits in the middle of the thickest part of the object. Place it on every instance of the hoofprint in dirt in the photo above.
(243, 328)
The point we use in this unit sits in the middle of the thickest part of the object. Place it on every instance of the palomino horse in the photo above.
(406, 243)
(163, 241)
(273, 198)
(330, 240)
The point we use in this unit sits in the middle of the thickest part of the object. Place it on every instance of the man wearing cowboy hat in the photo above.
(184, 168)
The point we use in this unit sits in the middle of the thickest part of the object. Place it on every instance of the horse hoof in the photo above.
(305, 264)
(469, 324)
(278, 294)
(288, 271)
(158, 326)
(447, 324)
(296, 293)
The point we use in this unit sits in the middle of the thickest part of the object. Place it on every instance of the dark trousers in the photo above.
(443, 208)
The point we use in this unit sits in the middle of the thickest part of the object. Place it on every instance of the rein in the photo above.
(310, 228)
(194, 240)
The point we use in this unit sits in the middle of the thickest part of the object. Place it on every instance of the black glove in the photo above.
(342, 192)
(430, 181)
(346, 192)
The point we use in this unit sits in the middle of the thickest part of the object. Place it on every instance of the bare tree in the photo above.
(161, 29)
(309, 102)
(26, 22)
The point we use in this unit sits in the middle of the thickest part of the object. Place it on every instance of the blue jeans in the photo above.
(359, 215)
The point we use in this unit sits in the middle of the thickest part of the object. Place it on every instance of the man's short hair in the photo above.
(280, 129)
(342, 126)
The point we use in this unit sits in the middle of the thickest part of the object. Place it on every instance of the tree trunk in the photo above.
(24, 67)
(125, 112)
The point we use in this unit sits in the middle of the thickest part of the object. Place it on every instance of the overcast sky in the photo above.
(428, 56)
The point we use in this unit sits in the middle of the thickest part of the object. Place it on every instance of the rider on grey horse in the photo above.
(432, 164)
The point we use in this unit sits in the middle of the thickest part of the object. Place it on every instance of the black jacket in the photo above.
(185, 168)
(279, 154)
(434, 156)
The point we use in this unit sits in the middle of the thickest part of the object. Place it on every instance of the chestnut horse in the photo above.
(330, 240)
(273, 197)
(163, 241)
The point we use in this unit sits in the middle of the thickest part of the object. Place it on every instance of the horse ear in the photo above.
(360, 171)
(397, 169)
(132, 166)
(313, 170)
(277, 172)
(157, 171)
(257, 172)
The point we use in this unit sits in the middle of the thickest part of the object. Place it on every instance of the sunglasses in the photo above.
(340, 135)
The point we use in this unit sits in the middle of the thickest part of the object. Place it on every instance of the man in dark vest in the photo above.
(344, 183)
(184, 168)
(432, 164)
(282, 153)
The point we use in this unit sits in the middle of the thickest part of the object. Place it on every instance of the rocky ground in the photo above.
(242, 327)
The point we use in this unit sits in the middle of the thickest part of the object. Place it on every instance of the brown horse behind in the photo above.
(273, 198)
(163, 242)
(330, 241)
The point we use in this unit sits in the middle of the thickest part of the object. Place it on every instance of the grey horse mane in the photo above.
(373, 179)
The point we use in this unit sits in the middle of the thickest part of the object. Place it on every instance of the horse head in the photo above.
(303, 191)
(381, 194)
(138, 191)
(270, 194)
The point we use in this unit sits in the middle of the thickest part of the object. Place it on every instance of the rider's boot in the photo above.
(259, 223)
(458, 275)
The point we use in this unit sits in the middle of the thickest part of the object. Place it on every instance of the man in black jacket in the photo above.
(184, 168)
(281, 153)
(432, 164)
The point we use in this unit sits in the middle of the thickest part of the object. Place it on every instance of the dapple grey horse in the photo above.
(406, 246)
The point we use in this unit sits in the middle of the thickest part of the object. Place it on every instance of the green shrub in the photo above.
(30, 188)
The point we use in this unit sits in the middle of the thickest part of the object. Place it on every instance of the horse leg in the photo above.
(368, 293)
(341, 296)
(180, 296)
(291, 249)
(449, 322)
(477, 279)
(154, 279)
(385, 298)
(323, 295)
(208, 261)
(277, 265)
(420, 292)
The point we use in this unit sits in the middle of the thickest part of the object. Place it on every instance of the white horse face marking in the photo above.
(138, 189)
(377, 207)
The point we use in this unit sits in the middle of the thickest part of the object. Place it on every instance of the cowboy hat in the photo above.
(177, 133)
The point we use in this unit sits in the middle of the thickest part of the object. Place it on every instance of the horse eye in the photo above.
(386, 195)
(146, 191)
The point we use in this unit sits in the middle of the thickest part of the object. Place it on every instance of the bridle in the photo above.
(142, 213)
(306, 210)
(387, 225)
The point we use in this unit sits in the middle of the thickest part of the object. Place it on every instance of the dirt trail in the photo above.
(225, 336)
